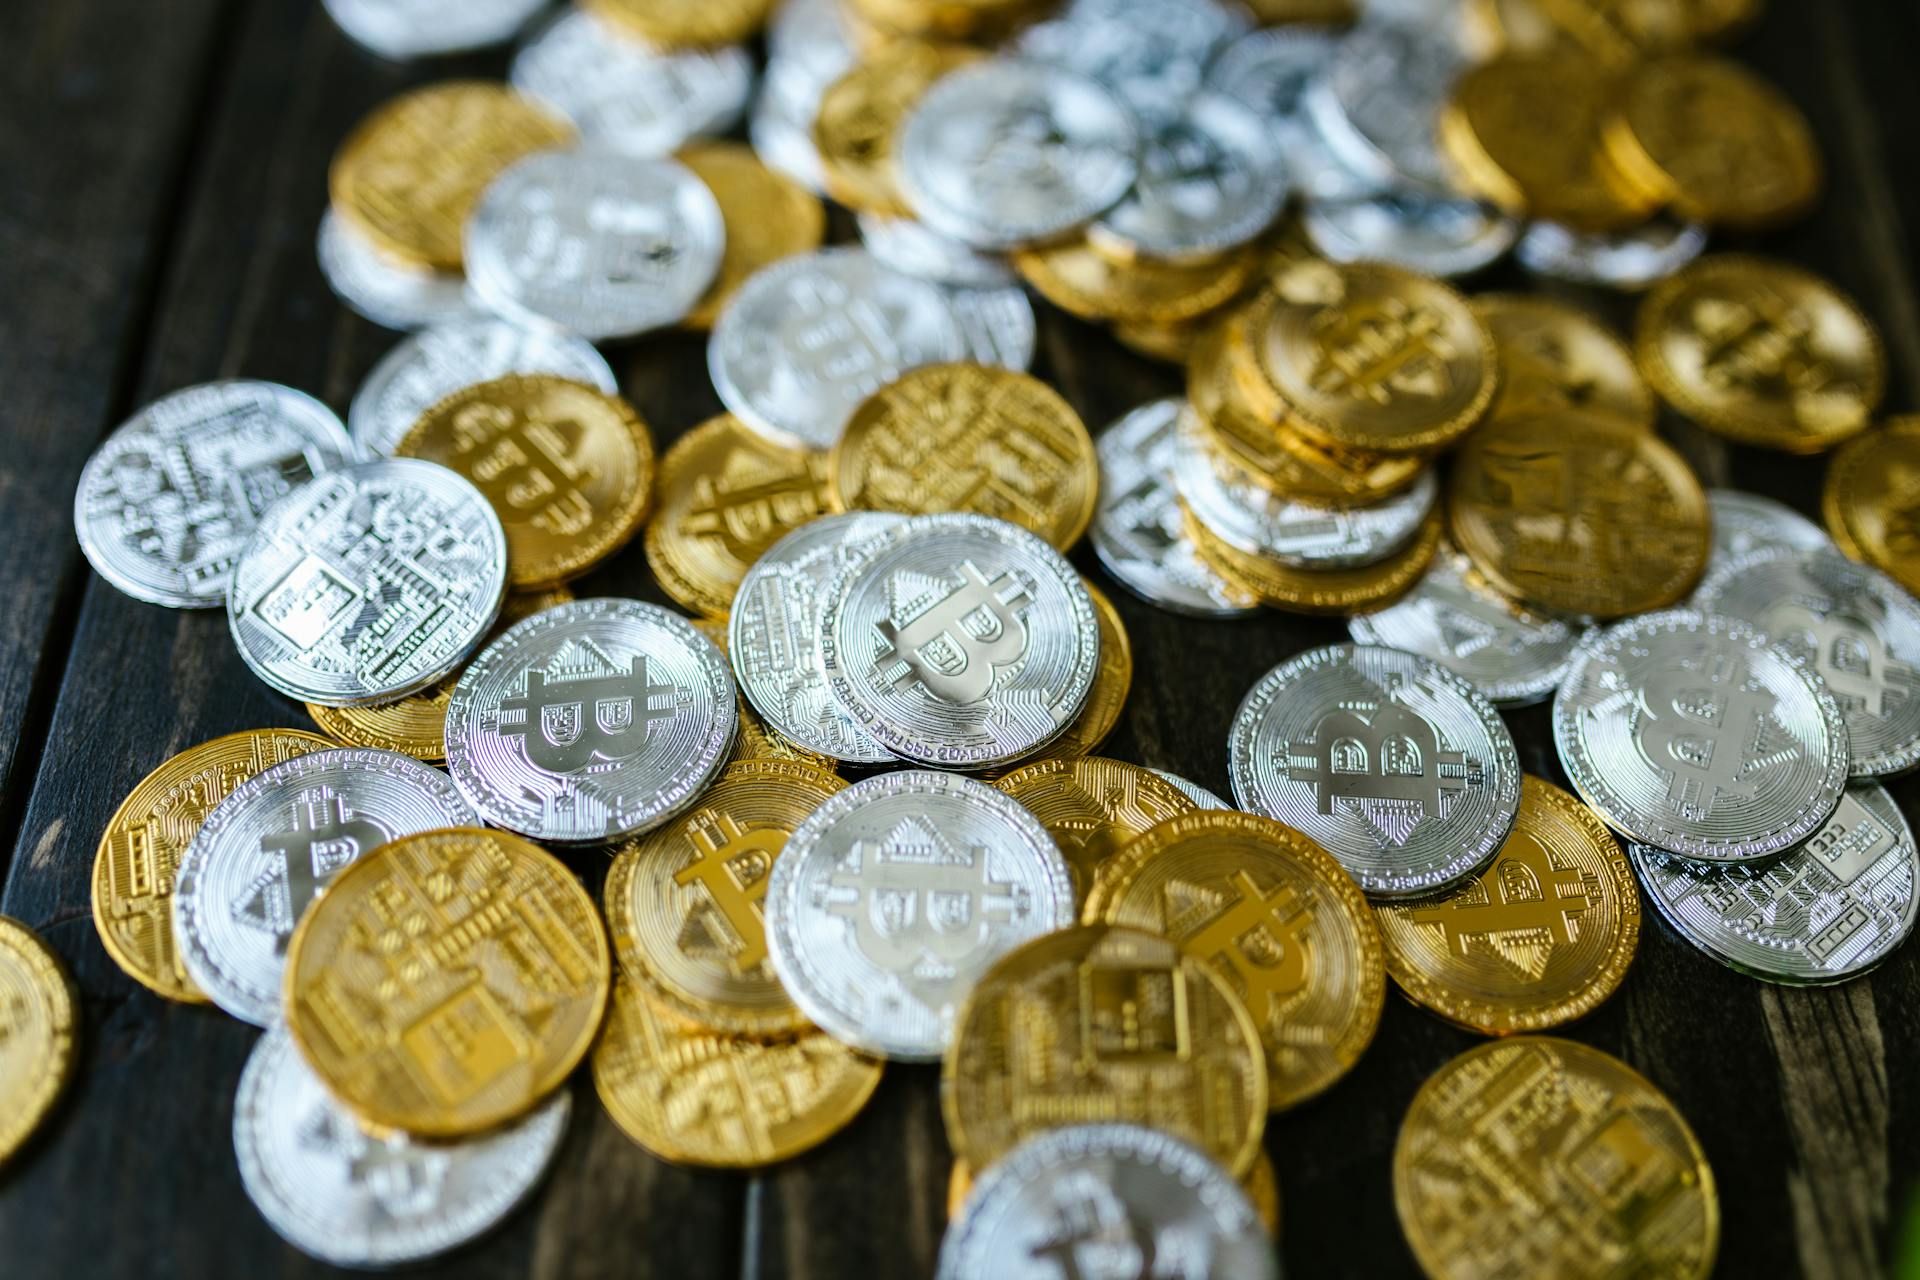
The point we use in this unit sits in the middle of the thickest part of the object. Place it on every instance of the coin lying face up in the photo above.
(37, 1054)
(422, 28)
(391, 293)
(1744, 522)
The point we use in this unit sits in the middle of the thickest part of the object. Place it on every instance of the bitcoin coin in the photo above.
(567, 467)
(1540, 937)
(1148, 53)
(1630, 260)
(1270, 69)
(37, 1053)
(1093, 807)
(1689, 732)
(1108, 696)
(1104, 1023)
(1322, 591)
(1278, 918)
(421, 28)
(1578, 513)
(1434, 235)
(1080, 280)
(684, 902)
(680, 23)
(1762, 353)
(140, 850)
(1871, 501)
(1744, 522)
(411, 172)
(860, 113)
(1262, 1186)
(1497, 1169)
(390, 293)
(1377, 102)
(914, 249)
(768, 217)
(894, 896)
(448, 982)
(999, 325)
(1200, 796)
(755, 741)
(1393, 764)
(1555, 358)
(354, 1199)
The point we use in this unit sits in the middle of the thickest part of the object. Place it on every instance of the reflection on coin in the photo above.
(1557, 358)
(754, 740)
(1744, 522)
(768, 217)
(346, 1197)
(1436, 235)
(166, 503)
(1211, 179)
(1377, 102)
(389, 292)
(894, 896)
(1270, 69)
(915, 249)
(999, 326)
(1112, 680)
(1871, 503)
(1618, 260)
(421, 28)
(37, 1054)
(1147, 52)
(1093, 807)
(1202, 797)
(1395, 765)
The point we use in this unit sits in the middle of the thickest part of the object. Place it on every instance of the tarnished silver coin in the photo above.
(1619, 260)
(1137, 529)
(167, 501)
(403, 29)
(591, 722)
(892, 898)
(1005, 152)
(368, 583)
(1689, 732)
(1192, 790)
(1824, 912)
(434, 363)
(1510, 655)
(1398, 767)
(1855, 626)
(959, 641)
(394, 295)
(1106, 1200)
(1378, 102)
(805, 340)
(999, 325)
(915, 249)
(343, 1196)
(268, 850)
(773, 635)
(1434, 235)
(623, 94)
(1744, 522)
(1151, 53)
(604, 244)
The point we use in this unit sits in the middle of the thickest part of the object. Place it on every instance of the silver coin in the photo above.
(1376, 104)
(959, 641)
(394, 295)
(1689, 732)
(1824, 912)
(1106, 1200)
(1744, 522)
(1149, 52)
(915, 249)
(1005, 152)
(805, 340)
(343, 1196)
(892, 898)
(1270, 69)
(780, 125)
(1398, 767)
(167, 501)
(623, 94)
(1619, 260)
(436, 362)
(268, 850)
(1212, 177)
(603, 244)
(811, 38)
(404, 29)
(368, 583)
(1192, 790)
(1510, 655)
(592, 722)
(1854, 626)
(1316, 170)
(773, 635)
(998, 324)
(1137, 529)
(1437, 236)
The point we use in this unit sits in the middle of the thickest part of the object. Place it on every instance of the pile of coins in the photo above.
(850, 811)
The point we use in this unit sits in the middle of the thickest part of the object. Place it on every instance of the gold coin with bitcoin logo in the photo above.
(726, 495)
(768, 217)
(1278, 917)
(1761, 352)
(1092, 807)
(684, 900)
(1104, 1024)
(1539, 937)
(860, 113)
(412, 171)
(1555, 357)
(696, 1096)
(1577, 513)
(1872, 500)
(140, 850)
(1080, 280)
(1535, 1156)
(967, 437)
(680, 24)
(1332, 592)
(447, 982)
(38, 1016)
(568, 467)
(1111, 681)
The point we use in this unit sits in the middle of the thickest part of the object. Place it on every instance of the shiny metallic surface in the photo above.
(999, 325)
(1193, 791)
(1212, 177)
(1377, 102)
(1148, 52)
(1619, 260)
(394, 295)
(915, 249)
(403, 29)
(1436, 235)
(1744, 522)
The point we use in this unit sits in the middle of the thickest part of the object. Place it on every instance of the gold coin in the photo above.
(944, 19)
(1574, 513)
(1620, 33)
(447, 982)
(141, 848)
(1111, 681)
(1715, 142)
(1271, 910)
(1370, 356)
(684, 901)
(1092, 807)
(726, 495)
(1081, 281)
(37, 1026)
(861, 112)
(1262, 1185)
(413, 170)
(568, 468)
(1540, 937)
(768, 217)
(755, 741)
(1536, 1156)
(1554, 357)
(1318, 591)
(1761, 352)
(1872, 500)
(1273, 13)
(1168, 343)
(1104, 1024)
(679, 24)
(968, 437)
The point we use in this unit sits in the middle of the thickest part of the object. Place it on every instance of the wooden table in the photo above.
(162, 171)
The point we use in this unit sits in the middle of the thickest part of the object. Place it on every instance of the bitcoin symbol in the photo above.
(322, 840)
(1395, 757)
(570, 723)
(1696, 728)
(1848, 653)
(403, 1180)
(1284, 918)
(722, 843)
(950, 660)
(1523, 892)
(1750, 343)
(748, 508)
(916, 897)
(1379, 351)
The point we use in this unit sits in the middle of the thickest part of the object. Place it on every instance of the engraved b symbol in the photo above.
(569, 725)
(1284, 916)
(950, 660)
(1695, 725)
(1849, 654)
